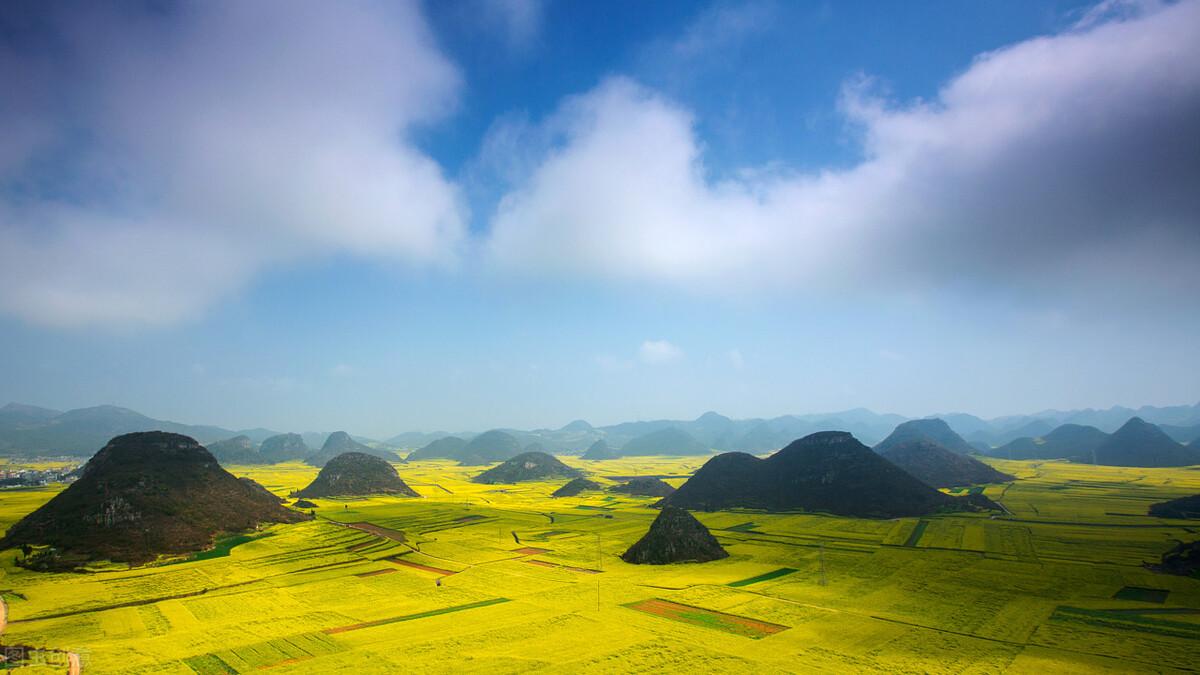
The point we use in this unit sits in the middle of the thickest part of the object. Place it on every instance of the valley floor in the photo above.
(507, 579)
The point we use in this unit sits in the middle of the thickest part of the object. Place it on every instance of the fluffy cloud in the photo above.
(1066, 161)
(659, 352)
(164, 158)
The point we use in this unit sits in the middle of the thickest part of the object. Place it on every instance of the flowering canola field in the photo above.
(504, 578)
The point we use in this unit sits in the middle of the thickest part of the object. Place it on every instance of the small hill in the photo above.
(304, 504)
(284, 448)
(356, 473)
(675, 536)
(644, 486)
(236, 450)
(490, 446)
(937, 466)
(449, 447)
(575, 486)
(1068, 441)
(1184, 507)
(1139, 443)
(600, 450)
(932, 429)
(669, 441)
(339, 442)
(1183, 560)
(527, 466)
(577, 426)
(828, 471)
(143, 495)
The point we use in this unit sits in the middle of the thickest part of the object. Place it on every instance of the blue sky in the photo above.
(508, 213)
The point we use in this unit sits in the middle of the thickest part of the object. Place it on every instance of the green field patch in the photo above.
(1103, 618)
(467, 519)
(708, 618)
(222, 547)
(411, 617)
(265, 654)
(774, 574)
(742, 527)
(585, 507)
(1142, 594)
(208, 664)
(915, 536)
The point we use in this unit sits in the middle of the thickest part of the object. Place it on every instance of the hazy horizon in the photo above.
(518, 213)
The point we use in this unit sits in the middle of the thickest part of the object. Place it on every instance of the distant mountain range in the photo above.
(27, 429)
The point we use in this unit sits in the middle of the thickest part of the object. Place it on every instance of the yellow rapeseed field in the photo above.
(507, 579)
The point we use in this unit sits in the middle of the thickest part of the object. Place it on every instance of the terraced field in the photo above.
(507, 579)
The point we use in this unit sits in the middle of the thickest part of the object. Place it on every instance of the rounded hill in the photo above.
(355, 474)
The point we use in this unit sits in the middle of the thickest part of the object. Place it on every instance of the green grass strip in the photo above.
(916, 533)
(775, 574)
(420, 615)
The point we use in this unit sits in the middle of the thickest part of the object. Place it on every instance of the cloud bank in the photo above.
(162, 158)
(1069, 161)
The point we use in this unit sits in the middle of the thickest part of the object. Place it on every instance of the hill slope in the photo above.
(937, 466)
(236, 450)
(356, 473)
(600, 450)
(339, 442)
(146, 494)
(284, 448)
(932, 429)
(527, 466)
(644, 486)
(490, 446)
(574, 487)
(1139, 443)
(447, 447)
(827, 471)
(669, 441)
(1068, 441)
(675, 536)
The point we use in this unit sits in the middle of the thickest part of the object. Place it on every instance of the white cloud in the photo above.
(659, 352)
(188, 149)
(1067, 161)
(342, 370)
(520, 20)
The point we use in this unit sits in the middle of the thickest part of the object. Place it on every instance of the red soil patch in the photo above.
(546, 563)
(698, 616)
(419, 566)
(375, 573)
(531, 550)
(394, 535)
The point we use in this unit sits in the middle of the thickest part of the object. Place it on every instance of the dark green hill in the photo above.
(1184, 507)
(449, 447)
(600, 450)
(1139, 443)
(937, 466)
(236, 450)
(675, 536)
(490, 446)
(932, 429)
(144, 495)
(339, 442)
(354, 474)
(828, 471)
(669, 441)
(527, 466)
(575, 486)
(644, 486)
(284, 448)
(1069, 441)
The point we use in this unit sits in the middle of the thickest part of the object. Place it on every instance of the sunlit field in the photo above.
(507, 579)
